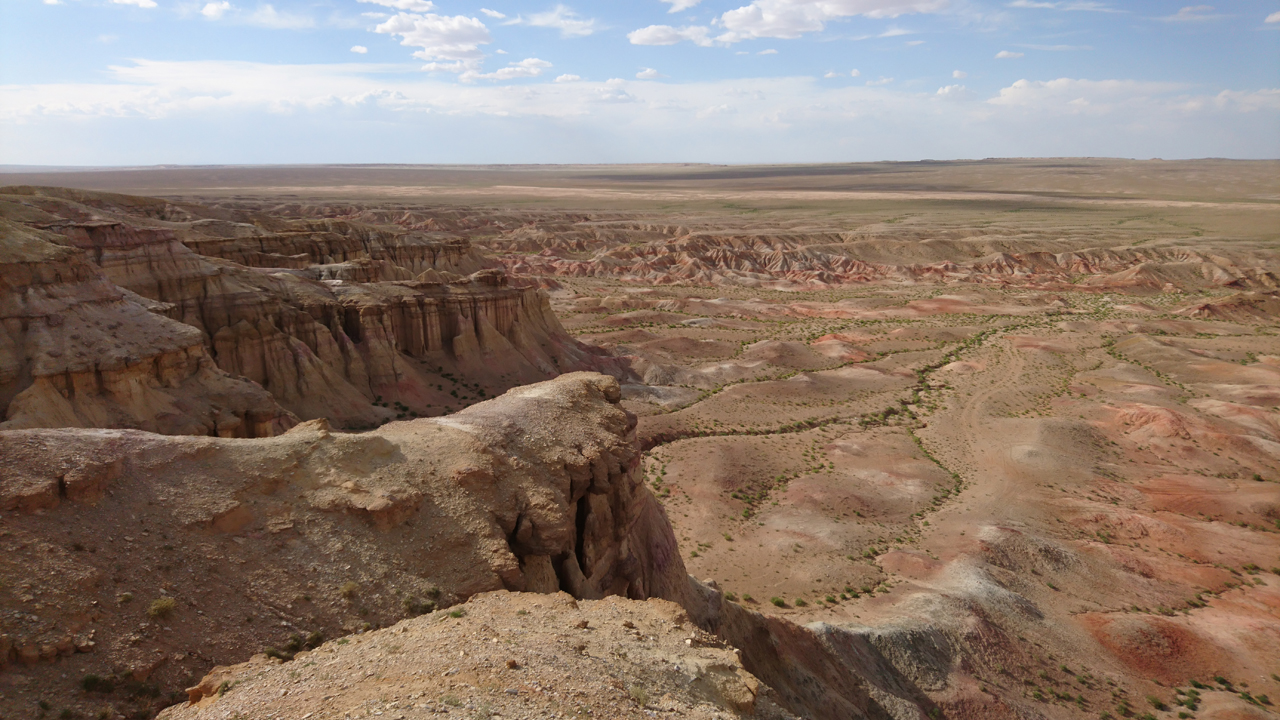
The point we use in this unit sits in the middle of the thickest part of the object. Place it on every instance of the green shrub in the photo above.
(97, 683)
(161, 607)
(778, 601)
(638, 694)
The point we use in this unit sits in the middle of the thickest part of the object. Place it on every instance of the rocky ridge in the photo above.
(353, 323)
(705, 251)
(77, 350)
(112, 537)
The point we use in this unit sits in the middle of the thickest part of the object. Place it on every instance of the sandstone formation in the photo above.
(503, 654)
(641, 249)
(312, 532)
(79, 351)
(936, 453)
(349, 322)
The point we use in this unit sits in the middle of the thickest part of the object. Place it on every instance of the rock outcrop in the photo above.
(770, 253)
(314, 531)
(78, 351)
(350, 322)
(521, 656)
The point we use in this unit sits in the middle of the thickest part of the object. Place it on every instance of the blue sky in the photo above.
(125, 82)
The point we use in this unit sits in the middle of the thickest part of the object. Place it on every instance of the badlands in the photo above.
(994, 439)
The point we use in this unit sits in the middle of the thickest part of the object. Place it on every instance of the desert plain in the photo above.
(982, 439)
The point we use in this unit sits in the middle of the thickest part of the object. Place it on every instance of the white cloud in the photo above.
(494, 14)
(855, 72)
(649, 74)
(1073, 95)
(527, 68)
(913, 43)
(52, 2)
(1008, 55)
(268, 17)
(894, 32)
(1273, 17)
(1246, 102)
(881, 81)
(770, 51)
(139, 3)
(954, 92)
(359, 49)
(667, 35)
(1077, 5)
(562, 18)
(722, 109)
(959, 74)
(678, 5)
(407, 5)
(265, 16)
(255, 110)
(832, 74)
(215, 10)
(1057, 48)
(455, 39)
(1193, 13)
(793, 18)
(567, 78)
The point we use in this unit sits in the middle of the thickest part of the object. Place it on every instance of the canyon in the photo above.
(903, 440)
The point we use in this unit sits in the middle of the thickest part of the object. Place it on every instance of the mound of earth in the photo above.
(502, 654)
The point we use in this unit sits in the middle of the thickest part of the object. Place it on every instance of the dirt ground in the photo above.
(1037, 397)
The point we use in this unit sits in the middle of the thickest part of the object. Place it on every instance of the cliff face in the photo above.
(78, 351)
(351, 322)
(787, 255)
(313, 531)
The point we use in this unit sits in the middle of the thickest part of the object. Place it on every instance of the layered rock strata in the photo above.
(774, 254)
(350, 322)
(78, 351)
(313, 531)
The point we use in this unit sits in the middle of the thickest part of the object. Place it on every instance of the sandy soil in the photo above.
(1030, 408)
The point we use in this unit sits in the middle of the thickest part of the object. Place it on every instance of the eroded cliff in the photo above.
(346, 321)
(78, 351)
(149, 558)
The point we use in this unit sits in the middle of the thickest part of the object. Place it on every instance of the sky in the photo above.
(143, 82)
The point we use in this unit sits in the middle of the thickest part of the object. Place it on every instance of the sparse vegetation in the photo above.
(161, 607)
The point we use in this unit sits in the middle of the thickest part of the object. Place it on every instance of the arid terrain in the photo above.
(993, 439)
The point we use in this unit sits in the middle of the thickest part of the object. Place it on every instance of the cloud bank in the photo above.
(328, 113)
